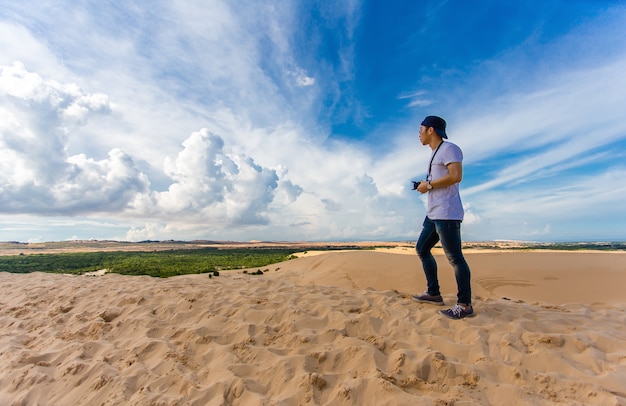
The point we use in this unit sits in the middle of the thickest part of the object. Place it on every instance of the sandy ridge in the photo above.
(315, 330)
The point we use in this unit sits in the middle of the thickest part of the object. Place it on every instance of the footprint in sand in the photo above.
(494, 282)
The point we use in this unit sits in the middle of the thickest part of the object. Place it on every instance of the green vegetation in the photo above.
(258, 272)
(553, 246)
(155, 263)
(211, 260)
(577, 246)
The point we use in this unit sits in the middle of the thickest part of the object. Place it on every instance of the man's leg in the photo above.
(450, 233)
(427, 240)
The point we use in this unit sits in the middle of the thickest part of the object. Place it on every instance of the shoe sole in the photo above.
(443, 313)
(428, 301)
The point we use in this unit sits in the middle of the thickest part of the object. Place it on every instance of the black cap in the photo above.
(438, 123)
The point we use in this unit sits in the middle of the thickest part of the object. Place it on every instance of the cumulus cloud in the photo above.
(38, 176)
(217, 186)
(67, 100)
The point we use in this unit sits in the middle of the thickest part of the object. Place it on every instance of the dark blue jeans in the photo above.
(449, 233)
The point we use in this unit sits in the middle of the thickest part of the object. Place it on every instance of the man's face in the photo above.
(423, 134)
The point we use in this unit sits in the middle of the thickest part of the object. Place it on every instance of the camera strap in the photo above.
(430, 166)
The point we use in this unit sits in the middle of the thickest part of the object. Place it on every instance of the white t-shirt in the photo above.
(445, 203)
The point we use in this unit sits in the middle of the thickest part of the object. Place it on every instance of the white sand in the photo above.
(332, 329)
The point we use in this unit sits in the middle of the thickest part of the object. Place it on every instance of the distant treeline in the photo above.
(604, 246)
(155, 263)
(558, 246)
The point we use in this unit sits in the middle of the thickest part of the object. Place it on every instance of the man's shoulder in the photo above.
(452, 148)
(451, 153)
(449, 144)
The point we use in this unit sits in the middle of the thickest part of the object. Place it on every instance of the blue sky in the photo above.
(297, 120)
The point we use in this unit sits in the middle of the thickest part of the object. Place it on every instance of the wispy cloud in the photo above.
(417, 99)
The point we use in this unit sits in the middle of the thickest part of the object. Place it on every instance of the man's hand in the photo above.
(454, 175)
(421, 186)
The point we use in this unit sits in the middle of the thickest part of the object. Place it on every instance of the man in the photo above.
(443, 218)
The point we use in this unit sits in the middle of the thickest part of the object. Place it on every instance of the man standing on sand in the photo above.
(443, 218)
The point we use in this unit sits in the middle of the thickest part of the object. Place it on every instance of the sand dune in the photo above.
(332, 329)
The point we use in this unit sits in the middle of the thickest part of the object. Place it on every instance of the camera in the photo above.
(415, 184)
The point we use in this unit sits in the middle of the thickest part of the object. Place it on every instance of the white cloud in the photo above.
(217, 186)
(417, 99)
(150, 231)
(38, 176)
(302, 78)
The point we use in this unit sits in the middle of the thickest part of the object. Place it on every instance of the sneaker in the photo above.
(426, 298)
(458, 312)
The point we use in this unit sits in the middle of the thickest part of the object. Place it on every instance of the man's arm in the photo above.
(455, 175)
